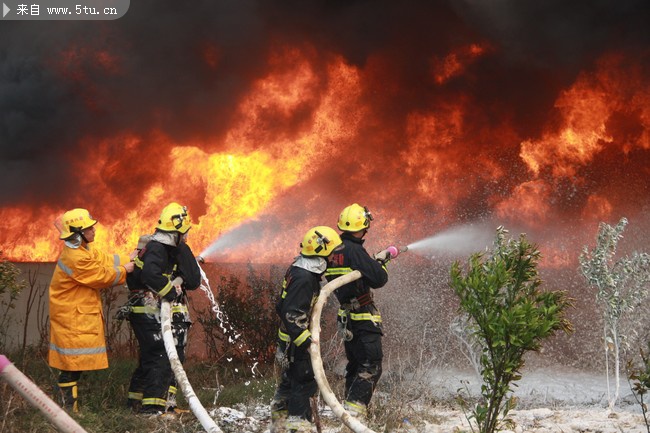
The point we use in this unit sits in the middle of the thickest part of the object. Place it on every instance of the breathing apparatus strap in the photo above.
(358, 302)
(352, 311)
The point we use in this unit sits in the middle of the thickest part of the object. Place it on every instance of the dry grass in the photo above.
(103, 399)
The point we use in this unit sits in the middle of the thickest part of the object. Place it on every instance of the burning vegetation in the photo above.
(265, 119)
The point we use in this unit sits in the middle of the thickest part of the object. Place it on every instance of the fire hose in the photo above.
(181, 378)
(37, 398)
(317, 362)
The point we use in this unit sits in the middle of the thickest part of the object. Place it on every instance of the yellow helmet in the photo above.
(174, 218)
(75, 221)
(354, 218)
(320, 241)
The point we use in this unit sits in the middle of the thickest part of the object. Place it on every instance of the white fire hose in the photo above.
(37, 398)
(181, 378)
(317, 362)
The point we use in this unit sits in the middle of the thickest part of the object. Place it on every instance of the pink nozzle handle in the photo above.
(394, 251)
(3, 362)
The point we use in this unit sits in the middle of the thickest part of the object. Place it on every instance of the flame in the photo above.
(221, 188)
(455, 63)
(587, 110)
(529, 203)
(315, 132)
(598, 208)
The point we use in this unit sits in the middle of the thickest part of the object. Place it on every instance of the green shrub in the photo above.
(510, 316)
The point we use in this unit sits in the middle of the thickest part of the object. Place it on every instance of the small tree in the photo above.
(621, 285)
(10, 288)
(639, 379)
(510, 315)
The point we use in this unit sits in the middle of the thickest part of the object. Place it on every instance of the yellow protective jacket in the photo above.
(77, 340)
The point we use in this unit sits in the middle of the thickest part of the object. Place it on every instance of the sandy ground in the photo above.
(549, 401)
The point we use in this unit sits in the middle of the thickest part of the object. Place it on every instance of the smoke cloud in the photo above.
(458, 105)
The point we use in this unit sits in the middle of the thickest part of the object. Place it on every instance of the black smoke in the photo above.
(180, 68)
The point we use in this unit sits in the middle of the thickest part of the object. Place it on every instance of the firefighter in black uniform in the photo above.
(359, 320)
(290, 409)
(165, 257)
(138, 378)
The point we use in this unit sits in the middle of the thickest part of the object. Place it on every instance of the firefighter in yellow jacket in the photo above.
(77, 340)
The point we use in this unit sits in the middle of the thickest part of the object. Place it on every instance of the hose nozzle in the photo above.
(393, 251)
(387, 254)
(200, 259)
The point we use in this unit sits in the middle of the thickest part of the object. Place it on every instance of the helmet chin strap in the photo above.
(361, 233)
(79, 231)
(74, 241)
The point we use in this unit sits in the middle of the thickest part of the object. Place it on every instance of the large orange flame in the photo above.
(221, 188)
(315, 134)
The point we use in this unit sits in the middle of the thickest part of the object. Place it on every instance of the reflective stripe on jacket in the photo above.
(300, 290)
(77, 340)
(156, 267)
(353, 256)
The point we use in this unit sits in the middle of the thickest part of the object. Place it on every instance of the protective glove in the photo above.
(178, 283)
(384, 257)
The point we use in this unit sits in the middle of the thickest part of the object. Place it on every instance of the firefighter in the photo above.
(138, 379)
(77, 341)
(290, 408)
(165, 257)
(359, 319)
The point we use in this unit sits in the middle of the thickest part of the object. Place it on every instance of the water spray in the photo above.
(237, 237)
(456, 241)
(224, 323)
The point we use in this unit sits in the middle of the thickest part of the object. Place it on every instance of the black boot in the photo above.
(68, 396)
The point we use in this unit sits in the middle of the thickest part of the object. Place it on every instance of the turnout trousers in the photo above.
(364, 354)
(297, 385)
(153, 380)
